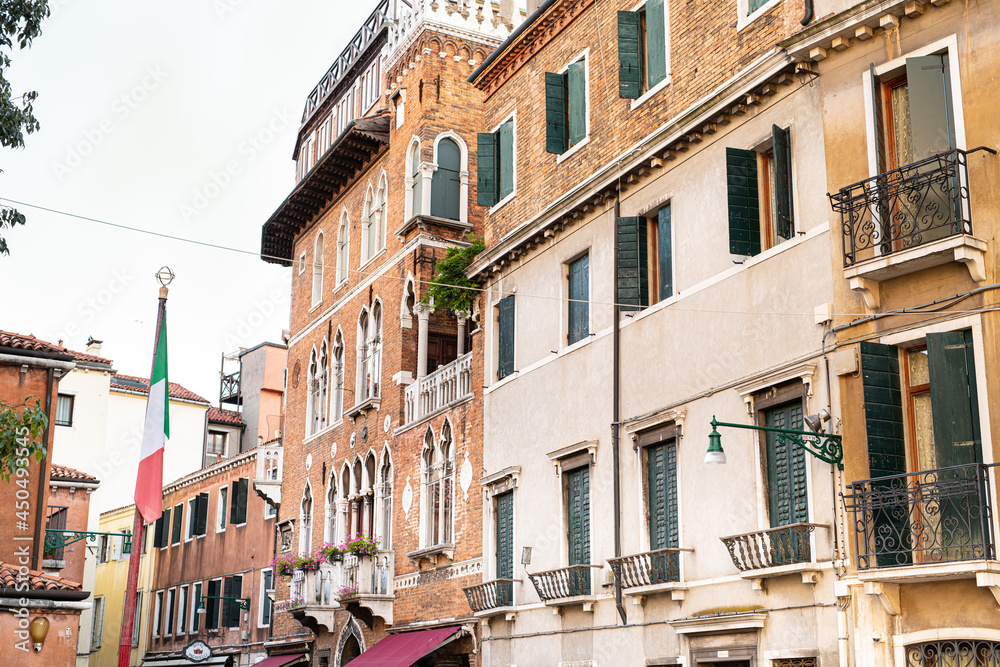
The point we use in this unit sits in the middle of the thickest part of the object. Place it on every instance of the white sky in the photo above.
(143, 105)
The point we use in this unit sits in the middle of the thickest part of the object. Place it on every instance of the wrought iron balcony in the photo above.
(953, 653)
(932, 516)
(490, 595)
(900, 209)
(568, 582)
(661, 566)
(763, 549)
(444, 387)
(229, 392)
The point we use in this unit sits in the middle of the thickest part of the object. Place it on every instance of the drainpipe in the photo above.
(808, 16)
(616, 419)
(42, 473)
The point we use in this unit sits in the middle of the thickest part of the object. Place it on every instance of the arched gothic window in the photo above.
(330, 528)
(318, 391)
(384, 491)
(317, 283)
(446, 184)
(338, 377)
(416, 193)
(343, 248)
(305, 521)
(439, 483)
(370, 353)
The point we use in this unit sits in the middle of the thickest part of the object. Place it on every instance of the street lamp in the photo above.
(824, 446)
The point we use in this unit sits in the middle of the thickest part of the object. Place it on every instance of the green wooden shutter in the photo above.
(576, 76)
(879, 123)
(579, 297)
(486, 169)
(744, 207)
(957, 439)
(782, 182)
(629, 65)
(234, 492)
(201, 514)
(267, 583)
(662, 479)
(176, 533)
(932, 127)
(556, 113)
(656, 43)
(227, 606)
(633, 266)
(505, 544)
(506, 152)
(241, 506)
(665, 254)
(234, 608)
(788, 498)
(505, 344)
(446, 182)
(195, 617)
(417, 206)
(212, 605)
(158, 529)
(578, 516)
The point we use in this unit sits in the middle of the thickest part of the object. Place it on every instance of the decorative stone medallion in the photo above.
(407, 497)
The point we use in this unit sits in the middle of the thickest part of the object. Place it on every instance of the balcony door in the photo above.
(505, 546)
(787, 492)
(578, 533)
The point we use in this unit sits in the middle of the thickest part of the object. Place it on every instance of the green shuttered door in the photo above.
(633, 267)
(954, 401)
(744, 208)
(662, 460)
(556, 113)
(578, 516)
(505, 544)
(505, 344)
(665, 253)
(788, 498)
(656, 51)
(445, 183)
(579, 296)
(486, 169)
(629, 68)
(782, 182)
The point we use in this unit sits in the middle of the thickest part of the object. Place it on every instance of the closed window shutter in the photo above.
(576, 76)
(241, 505)
(786, 468)
(665, 252)
(201, 514)
(932, 127)
(782, 182)
(158, 529)
(234, 495)
(744, 207)
(486, 168)
(234, 609)
(178, 523)
(657, 497)
(227, 605)
(418, 185)
(629, 67)
(556, 113)
(506, 167)
(954, 403)
(656, 43)
(505, 344)
(879, 122)
(633, 267)
(446, 182)
(212, 605)
(265, 601)
(578, 489)
(505, 544)
(579, 307)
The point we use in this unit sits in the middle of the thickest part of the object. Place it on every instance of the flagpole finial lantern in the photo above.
(165, 276)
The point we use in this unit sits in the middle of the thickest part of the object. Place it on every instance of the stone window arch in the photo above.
(450, 182)
(305, 519)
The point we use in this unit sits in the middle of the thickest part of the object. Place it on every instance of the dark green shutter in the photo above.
(418, 185)
(268, 584)
(954, 404)
(227, 605)
(932, 128)
(505, 544)
(578, 516)
(633, 263)
(212, 605)
(744, 207)
(234, 493)
(506, 151)
(556, 113)
(158, 540)
(446, 183)
(656, 43)
(782, 182)
(486, 169)
(576, 76)
(579, 297)
(241, 505)
(234, 608)
(176, 533)
(662, 473)
(505, 344)
(201, 514)
(788, 498)
(629, 67)
(195, 617)
(665, 255)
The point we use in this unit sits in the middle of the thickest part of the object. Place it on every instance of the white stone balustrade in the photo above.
(446, 386)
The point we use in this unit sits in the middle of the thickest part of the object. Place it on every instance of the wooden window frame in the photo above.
(72, 408)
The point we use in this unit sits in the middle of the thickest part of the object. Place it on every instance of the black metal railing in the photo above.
(490, 595)
(931, 516)
(652, 567)
(954, 653)
(906, 207)
(56, 520)
(229, 392)
(566, 582)
(762, 549)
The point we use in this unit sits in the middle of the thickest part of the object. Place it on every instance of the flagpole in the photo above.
(135, 554)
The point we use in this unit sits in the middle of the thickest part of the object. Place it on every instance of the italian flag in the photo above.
(155, 432)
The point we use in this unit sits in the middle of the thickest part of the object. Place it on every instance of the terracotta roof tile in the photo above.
(38, 581)
(65, 474)
(22, 342)
(225, 416)
(88, 358)
(141, 385)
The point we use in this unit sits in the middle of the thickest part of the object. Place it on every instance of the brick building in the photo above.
(382, 431)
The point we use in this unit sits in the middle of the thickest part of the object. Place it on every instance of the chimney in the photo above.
(94, 346)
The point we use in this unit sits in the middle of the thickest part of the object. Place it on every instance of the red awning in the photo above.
(279, 660)
(406, 648)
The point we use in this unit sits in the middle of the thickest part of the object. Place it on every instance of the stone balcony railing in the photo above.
(441, 389)
(474, 16)
(267, 481)
(316, 594)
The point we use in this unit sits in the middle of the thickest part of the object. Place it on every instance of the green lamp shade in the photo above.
(715, 453)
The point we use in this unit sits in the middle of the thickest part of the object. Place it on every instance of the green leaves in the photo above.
(451, 288)
(21, 427)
